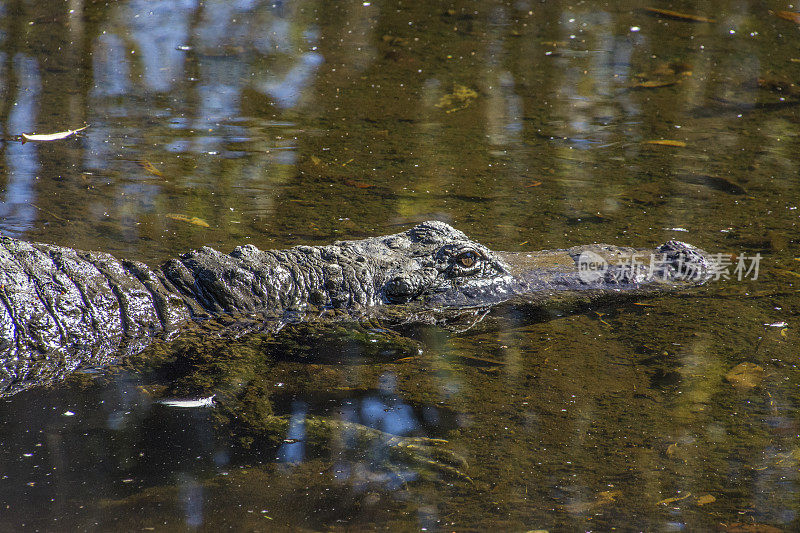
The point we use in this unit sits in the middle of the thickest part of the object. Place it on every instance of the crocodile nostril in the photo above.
(399, 290)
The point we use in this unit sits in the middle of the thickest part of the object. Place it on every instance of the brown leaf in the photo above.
(666, 13)
(791, 16)
(667, 142)
(668, 501)
(534, 184)
(357, 184)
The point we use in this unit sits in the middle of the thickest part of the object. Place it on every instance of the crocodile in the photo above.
(62, 309)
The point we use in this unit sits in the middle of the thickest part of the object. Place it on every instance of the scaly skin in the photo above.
(62, 308)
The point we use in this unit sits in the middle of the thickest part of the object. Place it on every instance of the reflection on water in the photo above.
(22, 165)
(525, 124)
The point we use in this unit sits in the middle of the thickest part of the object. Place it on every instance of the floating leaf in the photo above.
(534, 184)
(675, 499)
(705, 499)
(149, 167)
(745, 376)
(45, 137)
(791, 16)
(191, 220)
(667, 142)
(677, 15)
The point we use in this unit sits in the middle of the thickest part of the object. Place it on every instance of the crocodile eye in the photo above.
(467, 259)
(466, 263)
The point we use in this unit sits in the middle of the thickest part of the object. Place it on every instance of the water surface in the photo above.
(527, 125)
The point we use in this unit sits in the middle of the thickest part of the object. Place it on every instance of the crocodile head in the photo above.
(439, 259)
(438, 268)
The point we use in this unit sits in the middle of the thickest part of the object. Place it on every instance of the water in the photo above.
(524, 124)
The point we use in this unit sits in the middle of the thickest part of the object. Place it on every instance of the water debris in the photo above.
(791, 16)
(46, 137)
(677, 15)
(149, 168)
(459, 99)
(745, 376)
(534, 184)
(188, 404)
(191, 220)
(667, 142)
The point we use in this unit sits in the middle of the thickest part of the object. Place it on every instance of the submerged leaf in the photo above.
(149, 167)
(45, 137)
(459, 99)
(653, 84)
(602, 498)
(745, 376)
(186, 218)
(714, 182)
(677, 15)
(357, 184)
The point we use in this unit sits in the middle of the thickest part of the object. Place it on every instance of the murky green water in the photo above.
(526, 125)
